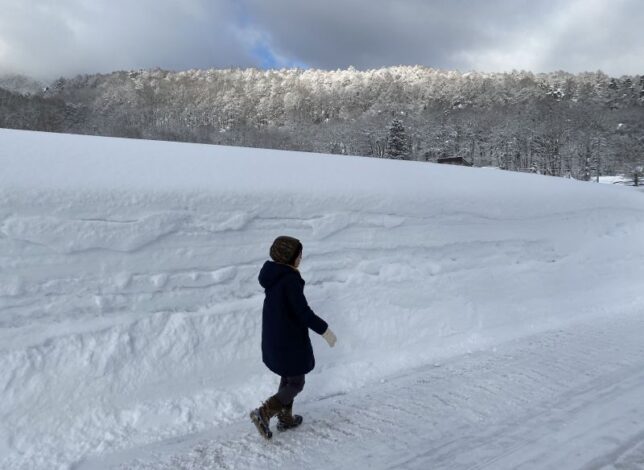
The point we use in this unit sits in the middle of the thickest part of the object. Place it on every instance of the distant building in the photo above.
(454, 161)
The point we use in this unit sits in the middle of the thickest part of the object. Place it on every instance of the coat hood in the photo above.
(272, 272)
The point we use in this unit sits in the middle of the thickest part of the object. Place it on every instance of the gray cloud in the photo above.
(487, 35)
(45, 39)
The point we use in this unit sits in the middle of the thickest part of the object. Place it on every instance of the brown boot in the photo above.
(261, 416)
(286, 419)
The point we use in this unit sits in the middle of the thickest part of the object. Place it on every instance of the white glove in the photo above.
(329, 337)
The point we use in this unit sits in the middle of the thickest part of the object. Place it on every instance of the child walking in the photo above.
(286, 346)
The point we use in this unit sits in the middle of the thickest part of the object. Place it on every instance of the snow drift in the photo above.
(130, 309)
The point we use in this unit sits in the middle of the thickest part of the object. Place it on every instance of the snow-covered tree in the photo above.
(397, 141)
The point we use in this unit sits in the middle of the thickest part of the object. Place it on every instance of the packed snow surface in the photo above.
(130, 309)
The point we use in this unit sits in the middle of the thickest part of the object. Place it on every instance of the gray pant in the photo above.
(289, 388)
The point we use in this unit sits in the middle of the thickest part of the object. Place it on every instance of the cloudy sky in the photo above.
(49, 38)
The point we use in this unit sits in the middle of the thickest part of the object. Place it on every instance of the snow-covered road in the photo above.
(569, 398)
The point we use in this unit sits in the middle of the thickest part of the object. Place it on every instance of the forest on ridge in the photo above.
(562, 124)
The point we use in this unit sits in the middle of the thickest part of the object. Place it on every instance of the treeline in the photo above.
(559, 123)
(32, 112)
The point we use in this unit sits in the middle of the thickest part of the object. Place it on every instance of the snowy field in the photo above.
(621, 180)
(485, 319)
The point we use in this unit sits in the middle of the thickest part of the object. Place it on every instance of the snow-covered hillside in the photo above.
(130, 309)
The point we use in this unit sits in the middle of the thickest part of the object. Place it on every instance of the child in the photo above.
(286, 347)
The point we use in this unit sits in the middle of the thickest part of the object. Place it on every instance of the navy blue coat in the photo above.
(286, 319)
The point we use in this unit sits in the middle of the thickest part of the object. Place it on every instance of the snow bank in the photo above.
(130, 309)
